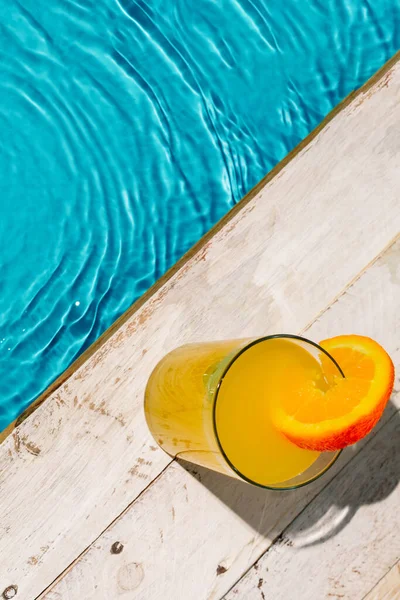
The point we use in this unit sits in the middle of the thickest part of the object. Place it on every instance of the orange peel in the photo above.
(346, 409)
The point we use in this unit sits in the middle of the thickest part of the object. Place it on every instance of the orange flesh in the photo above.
(330, 413)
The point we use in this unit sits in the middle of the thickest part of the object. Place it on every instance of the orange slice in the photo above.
(341, 412)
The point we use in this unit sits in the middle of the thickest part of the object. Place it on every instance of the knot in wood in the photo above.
(117, 548)
(10, 592)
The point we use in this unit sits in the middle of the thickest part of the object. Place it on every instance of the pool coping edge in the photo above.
(194, 250)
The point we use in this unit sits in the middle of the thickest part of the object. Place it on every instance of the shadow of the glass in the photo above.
(356, 479)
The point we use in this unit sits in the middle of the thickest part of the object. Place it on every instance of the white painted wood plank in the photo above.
(193, 536)
(70, 469)
(388, 587)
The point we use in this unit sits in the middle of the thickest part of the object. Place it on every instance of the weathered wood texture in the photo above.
(72, 467)
(192, 534)
(361, 507)
(388, 587)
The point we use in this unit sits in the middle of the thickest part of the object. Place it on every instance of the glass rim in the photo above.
(215, 394)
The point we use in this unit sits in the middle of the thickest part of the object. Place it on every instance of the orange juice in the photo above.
(213, 404)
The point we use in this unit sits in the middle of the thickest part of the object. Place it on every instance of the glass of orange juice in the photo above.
(212, 403)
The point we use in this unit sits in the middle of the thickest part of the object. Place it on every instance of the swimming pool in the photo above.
(129, 129)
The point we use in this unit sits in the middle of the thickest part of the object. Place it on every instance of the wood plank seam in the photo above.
(279, 538)
(323, 571)
(85, 551)
(379, 582)
(352, 282)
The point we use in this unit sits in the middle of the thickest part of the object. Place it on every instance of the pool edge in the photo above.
(88, 353)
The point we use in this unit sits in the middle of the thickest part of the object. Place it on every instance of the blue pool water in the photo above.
(129, 128)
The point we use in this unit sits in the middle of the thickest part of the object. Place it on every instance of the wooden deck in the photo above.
(91, 508)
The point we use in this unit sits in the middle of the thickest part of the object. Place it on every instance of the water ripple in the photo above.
(129, 128)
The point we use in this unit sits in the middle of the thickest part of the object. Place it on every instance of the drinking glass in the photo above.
(207, 403)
